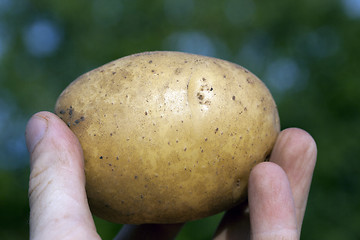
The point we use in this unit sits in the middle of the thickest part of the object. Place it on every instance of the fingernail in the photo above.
(35, 131)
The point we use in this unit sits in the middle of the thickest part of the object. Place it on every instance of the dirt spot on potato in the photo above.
(200, 96)
(178, 71)
(238, 182)
(205, 92)
(250, 80)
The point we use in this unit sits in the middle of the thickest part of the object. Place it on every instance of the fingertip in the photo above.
(265, 176)
(297, 141)
(57, 194)
(296, 152)
(47, 127)
(35, 130)
(272, 210)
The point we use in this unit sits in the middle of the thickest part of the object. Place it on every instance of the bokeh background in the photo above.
(307, 52)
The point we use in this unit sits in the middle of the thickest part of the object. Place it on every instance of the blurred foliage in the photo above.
(307, 52)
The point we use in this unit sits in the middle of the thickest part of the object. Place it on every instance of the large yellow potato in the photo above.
(167, 136)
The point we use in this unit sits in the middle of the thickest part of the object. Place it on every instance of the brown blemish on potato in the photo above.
(70, 111)
(200, 96)
(238, 182)
(178, 71)
(250, 80)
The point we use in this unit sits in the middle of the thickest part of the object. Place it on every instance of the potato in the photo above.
(168, 137)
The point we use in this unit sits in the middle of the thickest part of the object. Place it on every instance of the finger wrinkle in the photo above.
(37, 192)
(35, 173)
(43, 116)
(36, 183)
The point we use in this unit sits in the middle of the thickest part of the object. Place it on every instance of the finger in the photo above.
(272, 210)
(149, 231)
(235, 224)
(58, 203)
(295, 151)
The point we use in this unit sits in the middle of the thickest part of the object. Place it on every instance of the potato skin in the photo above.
(168, 137)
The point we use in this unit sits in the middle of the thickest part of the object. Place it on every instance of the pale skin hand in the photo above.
(278, 190)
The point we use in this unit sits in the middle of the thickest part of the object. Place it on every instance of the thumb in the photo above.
(57, 197)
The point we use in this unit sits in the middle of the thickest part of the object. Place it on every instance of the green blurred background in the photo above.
(307, 52)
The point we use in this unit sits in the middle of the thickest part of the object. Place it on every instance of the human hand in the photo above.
(277, 193)
(278, 189)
